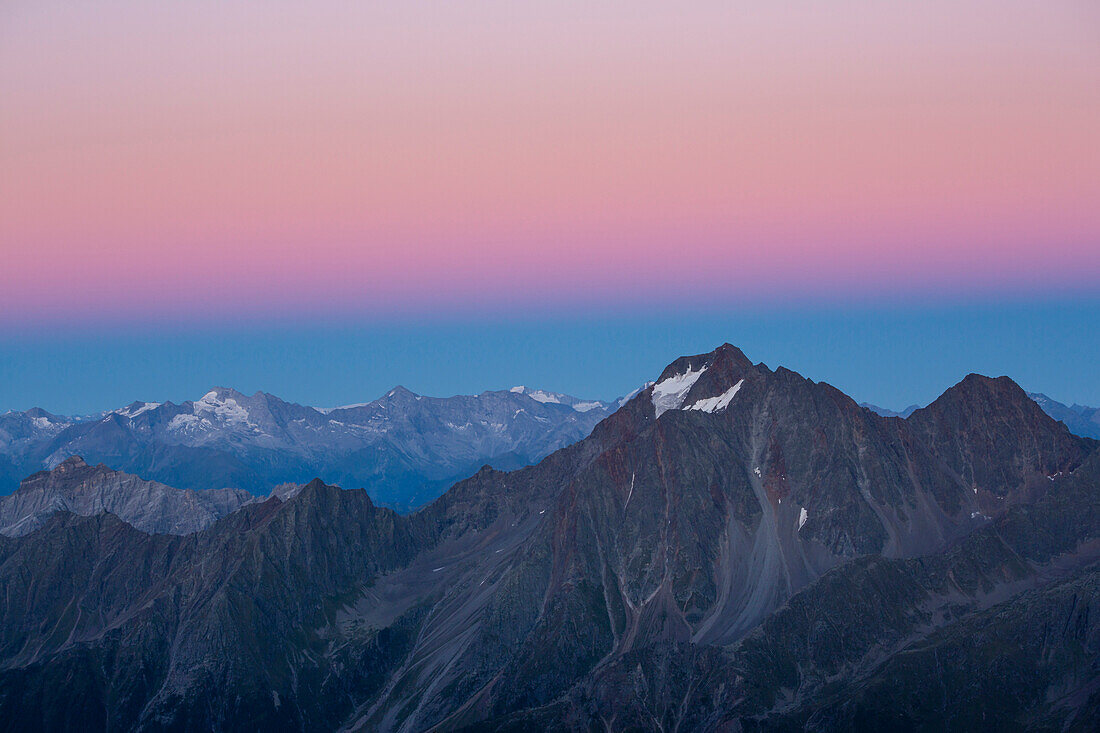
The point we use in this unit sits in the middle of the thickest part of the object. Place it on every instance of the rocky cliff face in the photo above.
(997, 632)
(996, 439)
(74, 486)
(735, 548)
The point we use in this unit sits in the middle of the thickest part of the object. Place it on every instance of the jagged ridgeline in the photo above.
(735, 548)
(404, 448)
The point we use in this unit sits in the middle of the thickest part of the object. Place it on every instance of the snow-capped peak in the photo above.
(539, 395)
(670, 393)
(221, 405)
(136, 408)
(558, 398)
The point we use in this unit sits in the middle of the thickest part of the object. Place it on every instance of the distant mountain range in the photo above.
(403, 448)
(1080, 420)
(890, 413)
(736, 548)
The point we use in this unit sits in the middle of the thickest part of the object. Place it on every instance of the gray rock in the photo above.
(74, 486)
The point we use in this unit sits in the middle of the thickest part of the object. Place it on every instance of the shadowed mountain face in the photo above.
(995, 438)
(735, 548)
(1080, 419)
(403, 448)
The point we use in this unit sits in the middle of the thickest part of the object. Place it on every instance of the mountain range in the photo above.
(735, 548)
(403, 448)
(886, 412)
(1079, 419)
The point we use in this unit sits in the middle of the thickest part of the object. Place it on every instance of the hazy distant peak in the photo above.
(76, 487)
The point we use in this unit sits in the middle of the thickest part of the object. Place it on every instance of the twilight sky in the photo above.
(188, 169)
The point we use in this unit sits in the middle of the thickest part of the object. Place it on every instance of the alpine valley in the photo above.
(733, 548)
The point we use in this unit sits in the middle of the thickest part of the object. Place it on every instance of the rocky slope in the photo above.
(74, 486)
(403, 448)
(736, 548)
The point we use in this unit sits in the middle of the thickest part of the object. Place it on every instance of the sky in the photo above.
(324, 199)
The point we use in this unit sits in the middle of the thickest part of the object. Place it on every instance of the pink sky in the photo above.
(156, 158)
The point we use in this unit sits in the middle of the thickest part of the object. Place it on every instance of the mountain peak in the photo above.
(995, 390)
(983, 417)
(706, 382)
(71, 463)
(733, 354)
(401, 392)
(727, 357)
(40, 413)
(314, 485)
(221, 394)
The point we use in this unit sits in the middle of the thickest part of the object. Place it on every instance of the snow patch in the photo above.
(544, 397)
(556, 398)
(145, 407)
(226, 410)
(721, 402)
(803, 515)
(327, 410)
(188, 422)
(669, 394)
